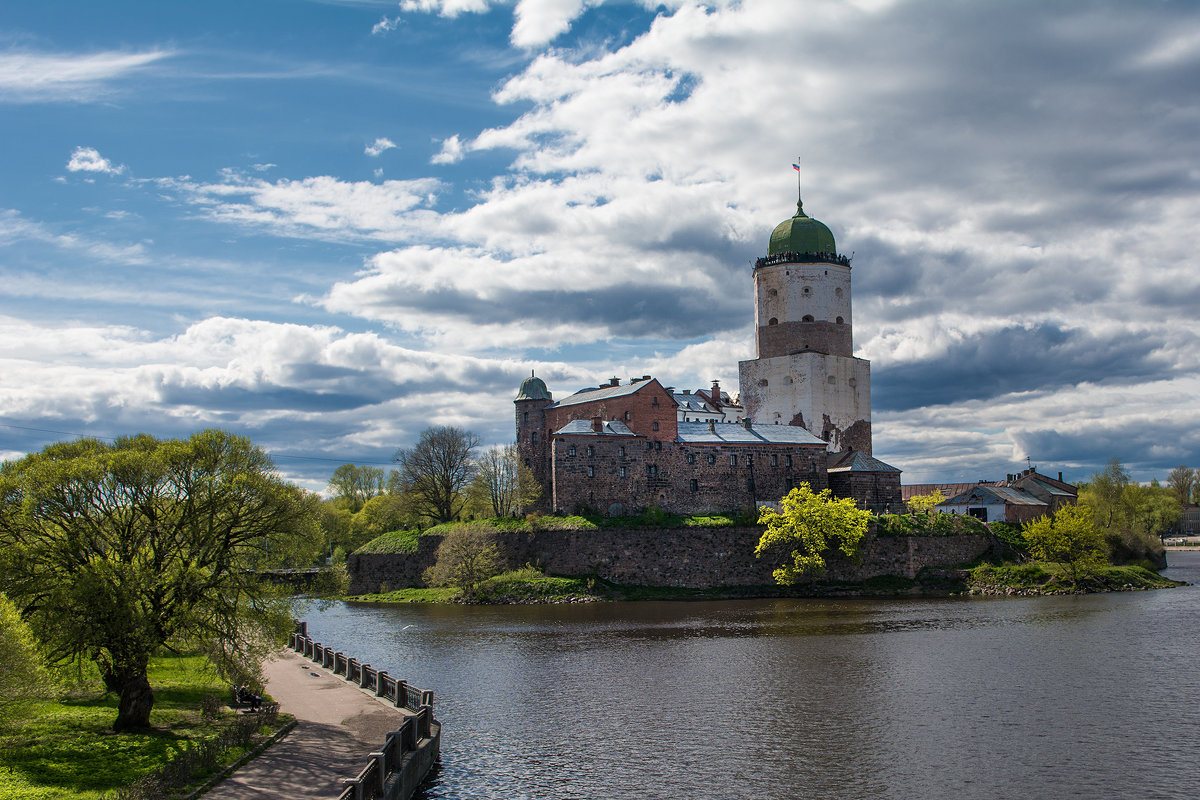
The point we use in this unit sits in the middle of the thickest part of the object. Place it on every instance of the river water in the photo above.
(1095, 696)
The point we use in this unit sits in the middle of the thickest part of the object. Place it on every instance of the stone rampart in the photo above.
(679, 557)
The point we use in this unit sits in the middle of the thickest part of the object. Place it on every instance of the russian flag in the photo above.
(796, 167)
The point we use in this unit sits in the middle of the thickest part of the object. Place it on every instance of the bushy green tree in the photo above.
(23, 672)
(355, 485)
(924, 503)
(1070, 538)
(466, 557)
(811, 524)
(1132, 518)
(112, 551)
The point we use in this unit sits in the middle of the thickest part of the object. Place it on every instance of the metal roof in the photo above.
(855, 461)
(692, 402)
(736, 433)
(992, 495)
(605, 392)
(583, 427)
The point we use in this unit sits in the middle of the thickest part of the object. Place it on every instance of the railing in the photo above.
(370, 782)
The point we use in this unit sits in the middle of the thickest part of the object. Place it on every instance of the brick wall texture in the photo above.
(678, 557)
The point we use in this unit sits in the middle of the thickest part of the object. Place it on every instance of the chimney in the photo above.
(716, 392)
(746, 422)
(712, 426)
(1060, 480)
(614, 381)
(597, 425)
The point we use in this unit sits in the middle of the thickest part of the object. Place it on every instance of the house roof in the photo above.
(855, 461)
(911, 490)
(606, 392)
(583, 427)
(734, 433)
(1053, 489)
(993, 495)
(692, 402)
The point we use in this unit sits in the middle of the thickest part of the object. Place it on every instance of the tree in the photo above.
(1070, 538)
(356, 485)
(1182, 482)
(1132, 518)
(811, 523)
(23, 673)
(466, 557)
(437, 469)
(113, 551)
(924, 503)
(503, 484)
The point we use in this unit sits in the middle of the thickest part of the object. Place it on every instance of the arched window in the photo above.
(533, 437)
(527, 416)
(712, 459)
(654, 426)
(773, 321)
(840, 321)
(628, 416)
(590, 451)
(808, 318)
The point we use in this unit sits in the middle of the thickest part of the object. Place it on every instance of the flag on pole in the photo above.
(796, 167)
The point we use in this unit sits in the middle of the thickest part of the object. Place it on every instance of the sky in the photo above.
(330, 225)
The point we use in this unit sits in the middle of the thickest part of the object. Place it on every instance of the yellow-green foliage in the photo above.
(23, 675)
(811, 523)
(923, 503)
(1070, 538)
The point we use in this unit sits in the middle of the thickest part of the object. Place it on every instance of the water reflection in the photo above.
(1034, 697)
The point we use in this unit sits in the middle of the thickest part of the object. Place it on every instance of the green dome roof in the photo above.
(801, 234)
(533, 388)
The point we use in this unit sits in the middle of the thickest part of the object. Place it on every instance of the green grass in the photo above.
(411, 595)
(1045, 577)
(66, 747)
(393, 542)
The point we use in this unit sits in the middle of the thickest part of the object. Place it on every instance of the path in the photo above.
(339, 724)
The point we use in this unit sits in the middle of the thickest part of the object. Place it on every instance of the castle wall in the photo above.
(790, 293)
(830, 396)
(676, 477)
(680, 557)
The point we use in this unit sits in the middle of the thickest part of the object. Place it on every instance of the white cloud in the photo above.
(375, 149)
(53, 77)
(88, 159)
(451, 152)
(386, 25)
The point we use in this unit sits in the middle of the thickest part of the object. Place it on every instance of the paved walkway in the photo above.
(339, 724)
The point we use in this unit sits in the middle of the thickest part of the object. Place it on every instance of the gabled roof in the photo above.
(911, 490)
(855, 461)
(734, 433)
(606, 392)
(1052, 488)
(583, 427)
(993, 495)
(693, 402)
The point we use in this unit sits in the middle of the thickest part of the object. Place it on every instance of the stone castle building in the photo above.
(804, 415)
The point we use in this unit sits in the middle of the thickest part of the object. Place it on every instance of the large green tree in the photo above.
(112, 551)
(23, 673)
(354, 485)
(437, 469)
(810, 525)
(1133, 518)
(1070, 538)
(502, 485)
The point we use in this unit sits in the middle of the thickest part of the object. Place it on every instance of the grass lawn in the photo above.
(66, 747)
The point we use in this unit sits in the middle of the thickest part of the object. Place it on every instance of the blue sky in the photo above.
(328, 225)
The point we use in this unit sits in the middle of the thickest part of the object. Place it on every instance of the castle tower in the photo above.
(805, 372)
(533, 433)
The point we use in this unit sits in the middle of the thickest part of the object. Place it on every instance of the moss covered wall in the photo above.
(681, 557)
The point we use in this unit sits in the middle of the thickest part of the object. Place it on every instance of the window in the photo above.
(838, 291)
(591, 472)
(773, 321)
(654, 426)
(806, 291)
(527, 463)
(651, 469)
(591, 452)
(628, 416)
(649, 445)
(695, 485)
(527, 416)
(658, 445)
(621, 450)
(787, 461)
(571, 450)
(654, 400)
(807, 318)
(533, 437)
(840, 321)
(691, 458)
(774, 460)
(712, 459)
(733, 461)
(624, 472)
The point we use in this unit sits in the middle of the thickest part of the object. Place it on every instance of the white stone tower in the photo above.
(805, 372)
